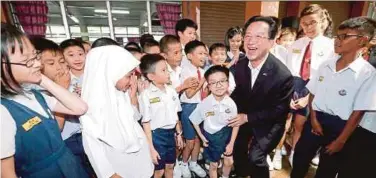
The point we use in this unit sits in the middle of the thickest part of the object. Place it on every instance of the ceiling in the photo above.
(84, 12)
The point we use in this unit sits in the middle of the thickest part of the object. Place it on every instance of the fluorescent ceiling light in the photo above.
(74, 19)
(112, 11)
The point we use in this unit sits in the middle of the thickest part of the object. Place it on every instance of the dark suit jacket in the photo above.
(267, 104)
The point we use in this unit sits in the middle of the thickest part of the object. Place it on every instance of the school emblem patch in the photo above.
(210, 113)
(321, 78)
(31, 123)
(154, 100)
(227, 110)
(320, 54)
(296, 51)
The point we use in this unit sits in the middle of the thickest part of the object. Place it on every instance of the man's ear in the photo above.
(180, 34)
(189, 56)
(150, 76)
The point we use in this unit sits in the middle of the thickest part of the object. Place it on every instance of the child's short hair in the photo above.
(71, 42)
(166, 40)
(192, 45)
(364, 25)
(132, 44)
(148, 63)
(144, 38)
(43, 44)
(150, 43)
(133, 50)
(183, 24)
(216, 46)
(215, 69)
(104, 42)
(288, 31)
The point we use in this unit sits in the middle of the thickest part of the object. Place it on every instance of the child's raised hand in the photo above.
(155, 156)
(190, 82)
(133, 85)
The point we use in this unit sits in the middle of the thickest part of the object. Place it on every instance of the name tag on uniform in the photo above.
(155, 100)
(321, 78)
(296, 51)
(31, 123)
(211, 113)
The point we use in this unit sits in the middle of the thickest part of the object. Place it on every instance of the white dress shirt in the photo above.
(256, 70)
(280, 53)
(160, 108)
(340, 92)
(322, 50)
(174, 75)
(215, 114)
(191, 71)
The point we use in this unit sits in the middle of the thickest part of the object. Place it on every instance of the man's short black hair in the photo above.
(104, 42)
(273, 26)
(192, 45)
(43, 44)
(183, 24)
(166, 40)
(216, 46)
(132, 49)
(150, 43)
(215, 69)
(364, 25)
(148, 63)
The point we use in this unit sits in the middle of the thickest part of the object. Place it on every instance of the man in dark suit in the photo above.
(262, 94)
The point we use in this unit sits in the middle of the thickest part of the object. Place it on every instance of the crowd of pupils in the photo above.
(157, 108)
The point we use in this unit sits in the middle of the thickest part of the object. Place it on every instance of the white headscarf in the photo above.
(110, 114)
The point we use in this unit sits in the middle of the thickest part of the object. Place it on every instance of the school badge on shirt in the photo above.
(342, 92)
(210, 113)
(228, 111)
(29, 124)
(321, 78)
(154, 100)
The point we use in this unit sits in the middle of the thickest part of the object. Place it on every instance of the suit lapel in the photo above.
(264, 74)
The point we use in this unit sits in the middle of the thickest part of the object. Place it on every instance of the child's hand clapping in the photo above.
(190, 82)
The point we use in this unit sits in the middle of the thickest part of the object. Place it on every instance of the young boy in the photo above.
(172, 52)
(215, 111)
(159, 105)
(196, 53)
(287, 37)
(151, 46)
(186, 31)
(218, 56)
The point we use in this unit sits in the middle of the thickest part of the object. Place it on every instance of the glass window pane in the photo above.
(120, 30)
(55, 26)
(133, 30)
(75, 29)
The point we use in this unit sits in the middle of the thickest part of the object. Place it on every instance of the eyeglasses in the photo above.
(345, 36)
(257, 37)
(29, 62)
(221, 83)
(312, 23)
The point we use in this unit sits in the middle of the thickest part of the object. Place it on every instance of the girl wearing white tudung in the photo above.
(112, 138)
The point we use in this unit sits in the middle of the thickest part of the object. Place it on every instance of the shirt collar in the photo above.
(214, 102)
(177, 69)
(154, 88)
(260, 65)
(355, 66)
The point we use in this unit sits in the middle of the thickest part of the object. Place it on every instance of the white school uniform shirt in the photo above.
(174, 75)
(231, 81)
(280, 53)
(339, 93)
(191, 71)
(369, 97)
(185, 61)
(160, 108)
(72, 123)
(215, 114)
(8, 125)
(322, 50)
(256, 70)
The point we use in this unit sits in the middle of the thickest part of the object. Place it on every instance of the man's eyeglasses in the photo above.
(345, 36)
(29, 62)
(221, 83)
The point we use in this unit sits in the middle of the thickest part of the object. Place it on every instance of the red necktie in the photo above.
(306, 63)
(202, 93)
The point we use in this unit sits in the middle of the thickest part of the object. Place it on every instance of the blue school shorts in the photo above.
(164, 144)
(300, 90)
(189, 131)
(217, 144)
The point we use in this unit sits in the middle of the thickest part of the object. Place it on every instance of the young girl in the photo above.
(112, 138)
(304, 58)
(234, 45)
(31, 143)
